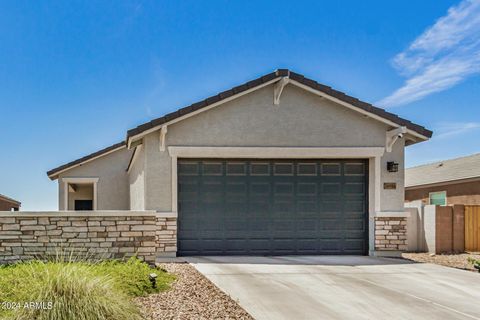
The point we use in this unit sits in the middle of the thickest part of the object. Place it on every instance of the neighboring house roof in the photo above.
(267, 78)
(8, 199)
(244, 88)
(52, 174)
(446, 171)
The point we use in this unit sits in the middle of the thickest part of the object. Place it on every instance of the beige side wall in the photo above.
(301, 120)
(113, 185)
(137, 180)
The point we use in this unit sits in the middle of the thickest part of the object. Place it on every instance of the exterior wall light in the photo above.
(392, 166)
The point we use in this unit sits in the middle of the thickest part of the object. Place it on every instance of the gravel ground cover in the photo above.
(459, 261)
(192, 296)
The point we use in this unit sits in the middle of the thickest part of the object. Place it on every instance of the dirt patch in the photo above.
(459, 261)
(192, 296)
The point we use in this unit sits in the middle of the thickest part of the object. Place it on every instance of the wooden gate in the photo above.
(472, 228)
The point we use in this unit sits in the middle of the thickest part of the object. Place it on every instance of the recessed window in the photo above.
(80, 193)
(438, 198)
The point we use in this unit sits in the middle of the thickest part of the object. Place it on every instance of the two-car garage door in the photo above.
(272, 207)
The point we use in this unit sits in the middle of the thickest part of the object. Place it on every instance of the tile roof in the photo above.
(444, 171)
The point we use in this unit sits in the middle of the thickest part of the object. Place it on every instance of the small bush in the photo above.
(475, 263)
(133, 276)
(78, 289)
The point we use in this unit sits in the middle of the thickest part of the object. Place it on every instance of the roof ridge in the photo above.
(445, 160)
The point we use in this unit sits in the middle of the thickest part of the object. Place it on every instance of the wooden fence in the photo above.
(472, 228)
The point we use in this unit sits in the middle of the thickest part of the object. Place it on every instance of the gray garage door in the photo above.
(272, 207)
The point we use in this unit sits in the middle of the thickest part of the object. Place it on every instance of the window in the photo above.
(83, 204)
(438, 198)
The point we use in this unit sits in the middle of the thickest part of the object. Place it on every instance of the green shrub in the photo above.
(475, 263)
(133, 276)
(78, 289)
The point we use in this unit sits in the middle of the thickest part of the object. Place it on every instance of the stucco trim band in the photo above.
(276, 152)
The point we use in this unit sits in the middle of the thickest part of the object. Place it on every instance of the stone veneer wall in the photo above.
(109, 234)
(390, 233)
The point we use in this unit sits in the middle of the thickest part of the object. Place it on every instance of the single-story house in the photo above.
(454, 181)
(9, 204)
(278, 165)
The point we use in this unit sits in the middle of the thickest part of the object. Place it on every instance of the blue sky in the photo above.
(75, 76)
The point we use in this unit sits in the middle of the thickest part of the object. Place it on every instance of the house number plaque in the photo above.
(390, 186)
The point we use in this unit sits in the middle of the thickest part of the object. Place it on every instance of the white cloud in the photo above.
(442, 56)
(449, 129)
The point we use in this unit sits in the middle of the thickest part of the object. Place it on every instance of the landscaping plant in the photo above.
(475, 263)
(76, 289)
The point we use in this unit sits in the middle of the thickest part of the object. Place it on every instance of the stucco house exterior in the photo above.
(278, 165)
(447, 182)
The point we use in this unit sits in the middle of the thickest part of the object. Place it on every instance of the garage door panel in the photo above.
(284, 246)
(232, 225)
(354, 169)
(309, 169)
(306, 225)
(331, 205)
(260, 189)
(259, 226)
(281, 226)
(259, 246)
(307, 246)
(212, 168)
(331, 188)
(330, 169)
(272, 207)
(236, 244)
(353, 245)
(330, 245)
(283, 189)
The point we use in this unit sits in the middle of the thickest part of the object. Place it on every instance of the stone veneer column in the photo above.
(166, 236)
(390, 235)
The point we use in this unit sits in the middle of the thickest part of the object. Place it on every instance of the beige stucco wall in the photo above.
(393, 200)
(301, 120)
(113, 184)
(137, 180)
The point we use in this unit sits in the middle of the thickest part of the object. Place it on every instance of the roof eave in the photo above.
(54, 173)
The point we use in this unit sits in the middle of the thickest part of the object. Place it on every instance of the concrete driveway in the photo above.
(344, 287)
